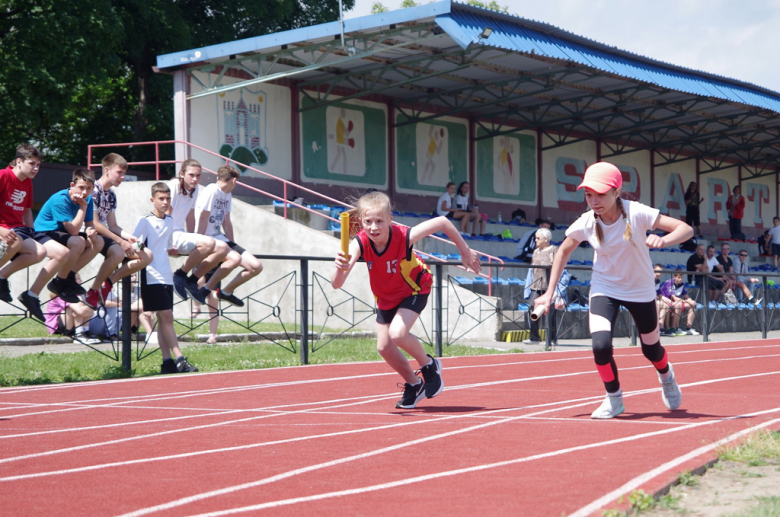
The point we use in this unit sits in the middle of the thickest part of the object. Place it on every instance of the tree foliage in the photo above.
(80, 72)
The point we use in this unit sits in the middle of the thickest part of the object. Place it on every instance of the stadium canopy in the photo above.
(509, 74)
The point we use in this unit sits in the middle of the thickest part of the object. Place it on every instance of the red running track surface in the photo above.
(510, 433)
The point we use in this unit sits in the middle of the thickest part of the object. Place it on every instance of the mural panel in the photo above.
(335, 148)
(428, 155)
(251, 125)
(506, 168)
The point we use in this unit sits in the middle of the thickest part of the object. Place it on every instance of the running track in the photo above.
(511, 434)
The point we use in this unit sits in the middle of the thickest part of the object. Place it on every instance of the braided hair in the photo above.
(628, 234)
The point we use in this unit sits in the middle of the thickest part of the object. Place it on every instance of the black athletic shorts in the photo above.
(156, 297)
(415, 303)
(235, 247)
(57, 236)
(107, 243)
(26, 233)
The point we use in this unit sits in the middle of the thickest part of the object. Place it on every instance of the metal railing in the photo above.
(286, 185)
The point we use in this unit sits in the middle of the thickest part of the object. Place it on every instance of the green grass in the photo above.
(22, 328)
(45, 368)
(756, 450)
(764, 507)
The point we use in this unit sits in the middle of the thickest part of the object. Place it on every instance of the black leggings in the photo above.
(646, 320)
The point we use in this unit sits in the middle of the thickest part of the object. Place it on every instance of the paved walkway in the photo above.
(62, 345)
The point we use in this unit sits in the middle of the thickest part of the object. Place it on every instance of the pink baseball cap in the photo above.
(601, 177)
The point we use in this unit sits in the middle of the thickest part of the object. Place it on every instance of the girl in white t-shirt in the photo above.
(622, 275)
(446, 207)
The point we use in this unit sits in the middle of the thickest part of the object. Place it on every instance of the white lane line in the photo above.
(408, 481)
(647, 476)
(581, 402)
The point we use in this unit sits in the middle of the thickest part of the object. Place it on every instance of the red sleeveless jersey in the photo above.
(397, 272)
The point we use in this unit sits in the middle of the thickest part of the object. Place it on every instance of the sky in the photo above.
(736, 39)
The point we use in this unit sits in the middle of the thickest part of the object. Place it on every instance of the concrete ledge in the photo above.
(30, 341)
(267, 336)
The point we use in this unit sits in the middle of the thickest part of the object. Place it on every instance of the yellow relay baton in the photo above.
(345, 233)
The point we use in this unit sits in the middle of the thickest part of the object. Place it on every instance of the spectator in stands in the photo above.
(717, 281)
(728, 267)
(765, 243)
(445, 206)
(774, 232)
(744, 282)
(543, 255)
(675, 290)
(736, 208)
(519, 214)
(525, 248)
(462, 202)
(662, 303)
(692, 202)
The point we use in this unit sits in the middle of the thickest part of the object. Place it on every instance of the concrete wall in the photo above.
(273, 291)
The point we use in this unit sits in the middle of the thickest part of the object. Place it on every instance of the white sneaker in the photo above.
(692, 332)
(670, 391)
(610, 408)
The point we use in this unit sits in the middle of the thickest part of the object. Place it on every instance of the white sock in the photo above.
(30, 293)
(617, 394)
(666, 377)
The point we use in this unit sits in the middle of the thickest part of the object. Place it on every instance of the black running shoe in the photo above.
(432, 376)
(200, 295)
(191, 287)
(5, 291)
(180, 286)
(183, 366)
(75, 287)
(32, 304)
(168, 366)
(60, 288)
(230, 298)
(412, 395)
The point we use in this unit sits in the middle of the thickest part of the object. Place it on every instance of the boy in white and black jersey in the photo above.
(212, 215)
(116, 244)
(155, 229)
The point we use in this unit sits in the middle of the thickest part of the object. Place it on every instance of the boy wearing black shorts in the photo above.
(60, 220)
(157, 279)
(117, 244)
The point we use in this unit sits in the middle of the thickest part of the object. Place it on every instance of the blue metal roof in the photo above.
(464, 23)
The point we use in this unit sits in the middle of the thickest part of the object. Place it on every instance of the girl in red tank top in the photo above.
(400, 281)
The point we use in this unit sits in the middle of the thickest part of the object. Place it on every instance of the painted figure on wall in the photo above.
(432, 153)
(244, 139)
(346, 152)
(505, 175)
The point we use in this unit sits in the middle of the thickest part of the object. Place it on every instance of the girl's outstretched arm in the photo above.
(678, 232)
(469, 257)
(344, 264)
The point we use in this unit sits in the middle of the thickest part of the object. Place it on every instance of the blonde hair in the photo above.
(377, 200)
(628, 234)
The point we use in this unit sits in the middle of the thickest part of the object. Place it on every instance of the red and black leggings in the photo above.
(603, 314)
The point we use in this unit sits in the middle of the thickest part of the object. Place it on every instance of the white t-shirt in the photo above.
(775, 233)
(158, 236)
(182, 204)
(447, 204)
(217, 203)
(712, 262)
(621, 270)
(462, 202)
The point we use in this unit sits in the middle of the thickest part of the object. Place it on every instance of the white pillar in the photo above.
(181, 115)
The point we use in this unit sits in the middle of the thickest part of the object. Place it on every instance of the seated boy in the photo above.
(116, 244)
(157, 278)
(16, 230)
(213, 216)
(675, 290)
(662, 303)
(60, 220)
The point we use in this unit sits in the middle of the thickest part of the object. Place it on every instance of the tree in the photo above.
(492, 5)
(377, 8)
(408, 3)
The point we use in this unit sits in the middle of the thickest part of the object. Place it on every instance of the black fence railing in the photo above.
(303, 305)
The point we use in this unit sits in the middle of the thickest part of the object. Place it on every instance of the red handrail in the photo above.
(284, 182)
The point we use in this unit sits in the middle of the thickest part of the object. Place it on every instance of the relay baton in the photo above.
(345, 233)
(537, 313)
